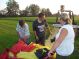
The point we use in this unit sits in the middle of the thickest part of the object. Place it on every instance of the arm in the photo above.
(49, 30)
(27, 33)
(17, 29)
(59, 40)
(34, 30)
(18, 33)
(25, 38)
(35, 35)
(47, 26)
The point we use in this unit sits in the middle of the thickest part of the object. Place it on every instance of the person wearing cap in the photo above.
(39, 28)
(64, 40)
(23, 31)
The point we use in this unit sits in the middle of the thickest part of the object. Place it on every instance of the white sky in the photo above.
(53, 5)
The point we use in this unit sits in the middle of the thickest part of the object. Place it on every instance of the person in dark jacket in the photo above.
(39, 26)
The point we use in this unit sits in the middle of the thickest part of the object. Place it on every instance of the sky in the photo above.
(53, 5)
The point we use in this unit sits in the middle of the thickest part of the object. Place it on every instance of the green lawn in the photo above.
(8, 34)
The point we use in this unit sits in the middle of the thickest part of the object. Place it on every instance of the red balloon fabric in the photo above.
(21, 46)
(4, 55)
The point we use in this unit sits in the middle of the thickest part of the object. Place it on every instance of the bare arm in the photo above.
(18, 33)
(35, 35)
(47, 27)
(59, 40)
(25, 38)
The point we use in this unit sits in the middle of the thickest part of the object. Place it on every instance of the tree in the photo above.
(13, 8)
(27, 11)
(22, 12)
(46, 11)
(43, 10)
(34, 9)
(3, 12)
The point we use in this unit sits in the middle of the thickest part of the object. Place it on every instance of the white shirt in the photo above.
(66, 48)
(24, 31)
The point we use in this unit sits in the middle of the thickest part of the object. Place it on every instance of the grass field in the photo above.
(8, 34)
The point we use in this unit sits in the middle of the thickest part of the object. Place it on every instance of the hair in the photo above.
(21, 23)
(65, 18)
(62, 6)
(41, 14)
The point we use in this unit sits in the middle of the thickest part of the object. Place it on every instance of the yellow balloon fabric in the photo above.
(31, 55)
(26, 55)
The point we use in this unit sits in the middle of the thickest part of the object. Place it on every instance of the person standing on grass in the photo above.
(64, 41)
(39, 26)
(23, 31)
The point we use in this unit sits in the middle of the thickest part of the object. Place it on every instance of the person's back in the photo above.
(67, 46)
(64, 41)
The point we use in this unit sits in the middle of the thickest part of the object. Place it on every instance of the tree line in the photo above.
(12, 9)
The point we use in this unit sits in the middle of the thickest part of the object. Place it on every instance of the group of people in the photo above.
(39, 26)
(64, 39)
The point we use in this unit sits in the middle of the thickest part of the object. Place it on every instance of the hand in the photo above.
(50, 53)
(19, 33)
(37, 37)
(51, 33)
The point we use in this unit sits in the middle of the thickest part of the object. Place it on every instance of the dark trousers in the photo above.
(62, 57)
(41, 40)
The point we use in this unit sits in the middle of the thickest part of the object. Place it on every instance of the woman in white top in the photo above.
(64, 40)
(23, 31)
